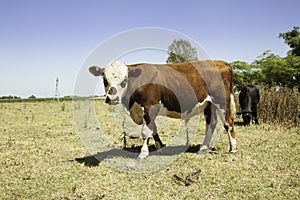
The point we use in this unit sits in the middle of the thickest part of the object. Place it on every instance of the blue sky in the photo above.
(41, 40)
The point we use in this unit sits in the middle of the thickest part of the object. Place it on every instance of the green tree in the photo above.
(294, 63)
(279, 71)
(270, 69)
(292, 38)
(181, 51)
(32, 97)
(245, 74)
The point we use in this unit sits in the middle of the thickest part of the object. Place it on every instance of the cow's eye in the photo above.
(123, 83)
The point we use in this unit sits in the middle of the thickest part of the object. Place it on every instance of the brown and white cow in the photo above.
(180, 90)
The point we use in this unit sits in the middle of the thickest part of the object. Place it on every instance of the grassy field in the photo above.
(43, 157)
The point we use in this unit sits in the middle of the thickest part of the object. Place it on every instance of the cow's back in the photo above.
(200, 74)
(180, 86)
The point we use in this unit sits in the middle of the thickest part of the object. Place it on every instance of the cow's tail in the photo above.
(232, 102)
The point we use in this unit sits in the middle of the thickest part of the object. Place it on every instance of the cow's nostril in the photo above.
(112, 91)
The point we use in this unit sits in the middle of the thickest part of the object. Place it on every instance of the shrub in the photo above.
(277, 106)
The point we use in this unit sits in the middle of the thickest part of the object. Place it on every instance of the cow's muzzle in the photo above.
(112, 101)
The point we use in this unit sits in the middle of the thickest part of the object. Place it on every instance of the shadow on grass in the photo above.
(133, 152)
(239, 124)
(243, 124)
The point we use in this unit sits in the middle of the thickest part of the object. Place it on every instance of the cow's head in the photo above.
(115, 79)
(247, 118)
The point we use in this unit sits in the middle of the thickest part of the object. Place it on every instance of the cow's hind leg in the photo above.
(211, 122)
(230, 124)
(231, 136)
(254, 113)
(254, 118)
(228, 121)
(227, 118)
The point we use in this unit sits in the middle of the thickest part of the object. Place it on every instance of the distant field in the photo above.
(43, 157)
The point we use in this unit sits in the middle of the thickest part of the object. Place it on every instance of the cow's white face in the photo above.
(115, 78)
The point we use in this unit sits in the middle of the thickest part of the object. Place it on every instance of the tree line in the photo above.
(267, 70)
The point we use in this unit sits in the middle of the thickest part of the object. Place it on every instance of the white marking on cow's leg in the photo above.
(232, 116)
(211, 121)
(232, 106)
(146, 133)
(208, 135)
(145, 150)
(232, 141)
(228, 128)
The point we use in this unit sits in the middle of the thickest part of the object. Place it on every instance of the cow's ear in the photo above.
(135, 72)
(96, 71)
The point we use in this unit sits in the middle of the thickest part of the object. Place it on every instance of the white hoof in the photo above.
(143, 155)
(203, 151)
(233, 151)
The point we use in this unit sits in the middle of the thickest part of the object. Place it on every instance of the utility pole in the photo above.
(56, 90)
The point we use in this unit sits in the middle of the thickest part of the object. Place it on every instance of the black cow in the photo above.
(249, 98)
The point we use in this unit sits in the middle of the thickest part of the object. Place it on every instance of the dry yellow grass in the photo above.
(278, 106)
(43, 157)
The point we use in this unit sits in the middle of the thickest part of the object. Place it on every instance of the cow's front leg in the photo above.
(150, 129)
(158, 142)
(145, 150)
(146, 134)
